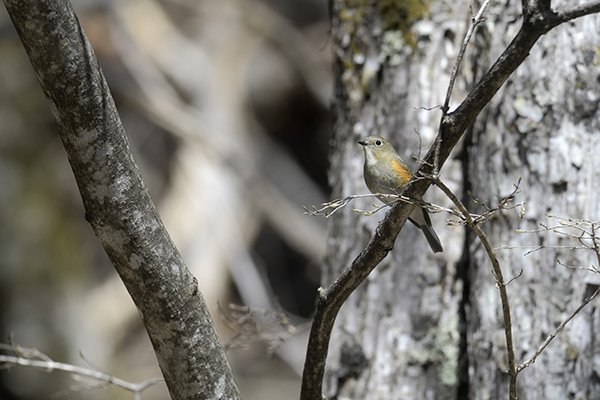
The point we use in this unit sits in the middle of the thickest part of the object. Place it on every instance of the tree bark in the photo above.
(398, 335)
(117, 203)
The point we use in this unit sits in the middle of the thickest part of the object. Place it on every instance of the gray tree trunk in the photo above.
(398, 335)
(118, 205)
(431, 327)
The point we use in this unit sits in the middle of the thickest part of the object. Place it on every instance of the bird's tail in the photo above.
(420, 217)
(432, 238)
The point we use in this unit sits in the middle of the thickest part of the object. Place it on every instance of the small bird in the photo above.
(385, 172)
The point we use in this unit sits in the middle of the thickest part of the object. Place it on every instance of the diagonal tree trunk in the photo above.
(117, 203)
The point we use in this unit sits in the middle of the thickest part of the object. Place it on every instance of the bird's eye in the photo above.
(378, 143)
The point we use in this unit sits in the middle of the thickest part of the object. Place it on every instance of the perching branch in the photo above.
(331, 207)
(453, 125)
(117, 203)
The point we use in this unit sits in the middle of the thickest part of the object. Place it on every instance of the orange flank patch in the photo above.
(403, 173)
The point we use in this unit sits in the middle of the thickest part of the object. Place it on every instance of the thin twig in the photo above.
(331, 207)
(515, 277)
(560, 327)
(590, 269)
(475, 21)
(533, 249)
(583, 231)
(584, 234)
(34, 358)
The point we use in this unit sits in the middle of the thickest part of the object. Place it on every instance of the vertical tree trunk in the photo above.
(542, 127)
(398, 335)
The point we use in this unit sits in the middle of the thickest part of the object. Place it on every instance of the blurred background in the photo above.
(226, 106)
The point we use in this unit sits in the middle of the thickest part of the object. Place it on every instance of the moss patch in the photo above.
(400, 15)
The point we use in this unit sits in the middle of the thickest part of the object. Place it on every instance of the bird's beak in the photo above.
(362, 143)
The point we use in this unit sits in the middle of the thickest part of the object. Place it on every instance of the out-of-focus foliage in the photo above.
(226, 107)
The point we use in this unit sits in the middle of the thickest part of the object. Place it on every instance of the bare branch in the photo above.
(534, 249)
(36, 359)
(331, 207)
(590, 269)
(583, 231)
(497, 272)
(515, 277)
(580, 10)
(475, 21)
(560, 327)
